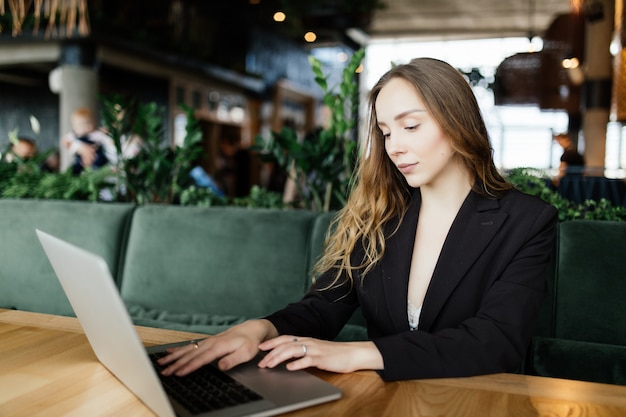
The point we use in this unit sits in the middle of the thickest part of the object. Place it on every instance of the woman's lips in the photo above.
(406, 168)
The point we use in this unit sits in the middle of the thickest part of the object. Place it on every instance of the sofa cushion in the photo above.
(216, 260)
(188, 322)
(27, 280)
(213, 323)
(572, 359)
(544, 326)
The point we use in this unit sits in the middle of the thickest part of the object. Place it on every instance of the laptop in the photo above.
(89, 286)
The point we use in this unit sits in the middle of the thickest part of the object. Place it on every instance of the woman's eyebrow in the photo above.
(407, 112)
(401, 115)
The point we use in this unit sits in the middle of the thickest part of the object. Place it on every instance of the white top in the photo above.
(413, 313)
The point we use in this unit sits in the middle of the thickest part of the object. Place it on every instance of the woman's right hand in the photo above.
(236, 345)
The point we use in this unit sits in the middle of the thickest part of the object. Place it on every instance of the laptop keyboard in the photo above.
(206, 389)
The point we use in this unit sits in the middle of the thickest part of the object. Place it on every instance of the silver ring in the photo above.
(195, 344)
(303, 350)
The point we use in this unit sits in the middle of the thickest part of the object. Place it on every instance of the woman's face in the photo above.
(413, 140)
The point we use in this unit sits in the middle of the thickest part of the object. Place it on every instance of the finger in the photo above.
(230, 359)
(236, 357)
(232, 354)
(272, 344)
(177, 352)
(177, 359)
(285, 352)
(187, 359)
(184, 367)
(277, 341)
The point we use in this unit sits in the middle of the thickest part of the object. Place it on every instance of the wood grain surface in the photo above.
(47, 368)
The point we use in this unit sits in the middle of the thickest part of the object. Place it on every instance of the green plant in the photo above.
(323, 163)
(159, 172)
(198, 196)
(25, 179)
(536, 182)
(260, 198)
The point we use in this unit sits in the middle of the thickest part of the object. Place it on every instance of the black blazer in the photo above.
(479, 310)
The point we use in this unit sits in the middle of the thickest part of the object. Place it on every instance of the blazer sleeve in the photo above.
(321, 313)
(323, 310)
(507, 286)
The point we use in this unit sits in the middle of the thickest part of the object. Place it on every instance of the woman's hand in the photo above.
(236, 345)
(304, 352)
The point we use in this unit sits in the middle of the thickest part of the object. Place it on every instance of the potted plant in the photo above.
(322, 162)
(158, 172)
(535, 182)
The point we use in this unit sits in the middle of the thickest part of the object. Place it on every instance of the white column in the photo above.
(596, 89)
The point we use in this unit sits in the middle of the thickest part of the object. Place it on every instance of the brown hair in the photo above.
(380, 193)
(83, 112)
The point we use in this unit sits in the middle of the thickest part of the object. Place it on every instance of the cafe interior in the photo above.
(233, 104)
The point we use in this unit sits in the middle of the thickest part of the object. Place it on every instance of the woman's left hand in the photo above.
(305, 352)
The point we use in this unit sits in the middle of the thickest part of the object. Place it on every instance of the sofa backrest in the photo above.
(320, 229)
(27, 281)
(216, 260)
(590, 282)
(318, 235)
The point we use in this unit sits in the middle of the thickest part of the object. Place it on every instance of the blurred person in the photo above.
(89, 146)
(23, 148)
(572, 162)
(52, 162)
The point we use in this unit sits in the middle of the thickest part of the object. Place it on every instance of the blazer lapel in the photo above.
(396, 264)
(474, 227)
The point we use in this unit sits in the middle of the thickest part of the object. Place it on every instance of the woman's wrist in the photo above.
(367, 356)
(265, 329)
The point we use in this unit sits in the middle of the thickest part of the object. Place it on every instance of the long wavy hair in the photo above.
(379, 193)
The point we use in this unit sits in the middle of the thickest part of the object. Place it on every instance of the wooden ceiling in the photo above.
(464, 19)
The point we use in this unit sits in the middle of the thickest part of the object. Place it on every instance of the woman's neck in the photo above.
(449, 191)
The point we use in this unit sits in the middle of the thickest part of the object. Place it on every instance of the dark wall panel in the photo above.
(18, 103)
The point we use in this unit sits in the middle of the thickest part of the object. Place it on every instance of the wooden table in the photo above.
(47, 369)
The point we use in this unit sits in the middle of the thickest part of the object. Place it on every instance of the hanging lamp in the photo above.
(72, 16)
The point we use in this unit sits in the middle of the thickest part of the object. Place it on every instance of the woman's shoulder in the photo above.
(517, 201)
(516, 195)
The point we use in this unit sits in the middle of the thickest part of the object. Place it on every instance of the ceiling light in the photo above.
(280, 17)
(569, 63)
(310, 37)
(575, 73)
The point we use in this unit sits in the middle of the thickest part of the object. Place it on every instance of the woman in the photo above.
(446, 260)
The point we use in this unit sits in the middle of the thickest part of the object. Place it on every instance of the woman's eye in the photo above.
(386, 135)
(414, 127)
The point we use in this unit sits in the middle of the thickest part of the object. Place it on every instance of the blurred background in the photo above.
(538, 67)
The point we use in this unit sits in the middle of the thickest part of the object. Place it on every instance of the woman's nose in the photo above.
(394, 146)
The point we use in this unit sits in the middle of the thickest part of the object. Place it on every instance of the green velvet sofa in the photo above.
(196, 269)
(582, 332)
(204, 269)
